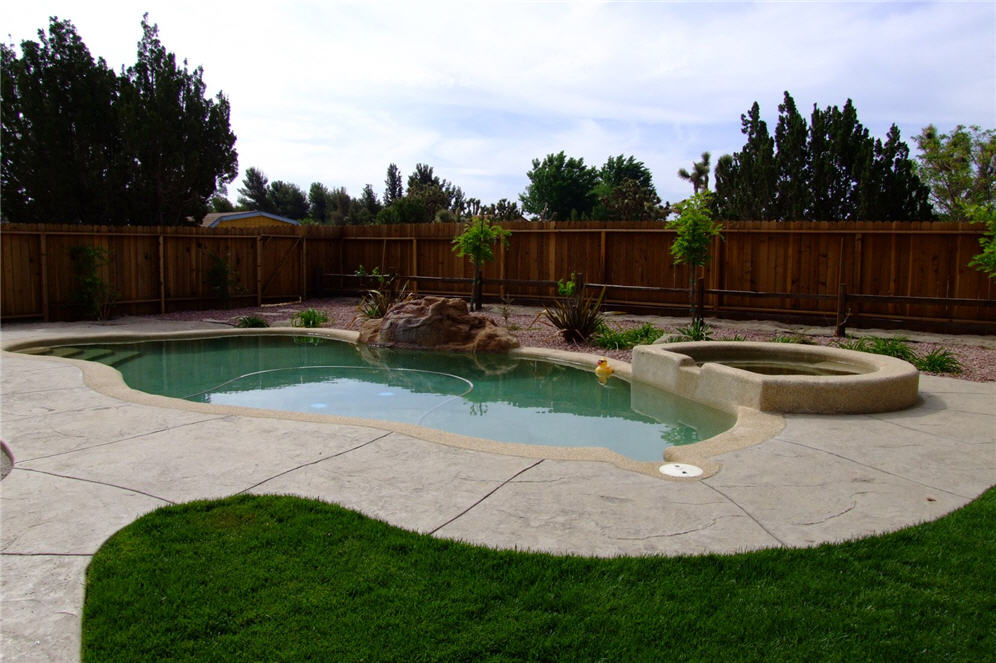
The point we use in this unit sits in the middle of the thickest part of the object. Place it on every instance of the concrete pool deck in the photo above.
(87, 464)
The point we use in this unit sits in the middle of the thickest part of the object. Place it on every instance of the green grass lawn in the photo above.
(287, 579)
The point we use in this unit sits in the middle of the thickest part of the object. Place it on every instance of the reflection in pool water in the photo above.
(495, 397)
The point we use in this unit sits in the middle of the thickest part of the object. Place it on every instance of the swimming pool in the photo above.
(495, 397)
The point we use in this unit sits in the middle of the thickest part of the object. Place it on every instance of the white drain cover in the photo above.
(680, 470)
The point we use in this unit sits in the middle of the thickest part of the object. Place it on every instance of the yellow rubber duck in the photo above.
(603, 371)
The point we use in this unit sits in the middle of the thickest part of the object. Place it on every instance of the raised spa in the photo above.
(780, 377)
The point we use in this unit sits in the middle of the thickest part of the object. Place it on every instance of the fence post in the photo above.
(259, 270)
(161, 241)
(841, 327)
(43, 257)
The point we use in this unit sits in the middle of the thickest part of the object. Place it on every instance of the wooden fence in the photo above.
(760, 269)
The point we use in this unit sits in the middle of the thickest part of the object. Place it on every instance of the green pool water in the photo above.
(488, 396)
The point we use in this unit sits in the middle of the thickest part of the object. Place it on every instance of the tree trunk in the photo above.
(477, 289)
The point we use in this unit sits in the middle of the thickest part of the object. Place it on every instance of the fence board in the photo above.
(898, 259)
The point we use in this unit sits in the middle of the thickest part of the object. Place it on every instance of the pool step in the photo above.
(103, 355)
(94, 354)
(119, 357)
(65, 352)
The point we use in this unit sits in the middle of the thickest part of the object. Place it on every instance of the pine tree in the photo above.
(393, 188)
(254, 192)
(792, 185)
(61, 150)
(179, 140)
(832, 170)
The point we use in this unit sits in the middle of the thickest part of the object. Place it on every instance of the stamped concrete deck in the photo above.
(87, 464)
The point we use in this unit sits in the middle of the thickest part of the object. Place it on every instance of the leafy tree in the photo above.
(959, 167)
(433, 193)
(618, 170)
(560, 188)
(432, 197)
(61, 144)
(699, 177)
(477, 243)
(342, 208)
(694, 230)
(180, 142)
(393, 189)
(254, 194)
(985, 261)
(625, 191)
(631, 201)
(404, 210)
(288, 200)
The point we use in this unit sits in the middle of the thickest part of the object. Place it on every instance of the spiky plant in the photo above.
(577, 317)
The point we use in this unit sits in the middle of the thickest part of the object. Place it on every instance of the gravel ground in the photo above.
(977, 354)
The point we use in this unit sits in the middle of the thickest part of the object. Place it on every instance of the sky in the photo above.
(334, 92)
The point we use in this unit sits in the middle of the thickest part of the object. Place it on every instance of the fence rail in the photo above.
(909, 273)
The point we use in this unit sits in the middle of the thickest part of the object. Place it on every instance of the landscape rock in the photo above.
(437, 323)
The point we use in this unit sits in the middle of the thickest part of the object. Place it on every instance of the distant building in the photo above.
(244, 220)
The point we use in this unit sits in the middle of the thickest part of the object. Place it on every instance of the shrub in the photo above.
(309, 318)
(376, 302)
(892, 347)
(791, 338)
(222, 277)
(699, 330)
(941, 360)
(624, 339)
(249, 321)
(92, 293)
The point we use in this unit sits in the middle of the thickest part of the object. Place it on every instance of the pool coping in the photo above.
(752, 426)
(96, 465)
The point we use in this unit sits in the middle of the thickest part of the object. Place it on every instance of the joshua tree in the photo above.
(699, 177)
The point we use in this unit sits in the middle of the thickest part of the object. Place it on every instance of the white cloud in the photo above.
(333, 92)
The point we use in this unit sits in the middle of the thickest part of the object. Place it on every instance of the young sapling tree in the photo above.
(477, 243)
(695, 230)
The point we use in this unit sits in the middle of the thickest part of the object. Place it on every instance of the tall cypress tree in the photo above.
(831, 170)
(61, 152)
(792, 186)
(392, 189)
(83, 145)
(180, 140)
(746, 182)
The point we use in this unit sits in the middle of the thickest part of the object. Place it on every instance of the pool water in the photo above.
(495, 397)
